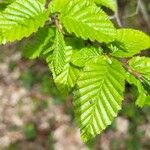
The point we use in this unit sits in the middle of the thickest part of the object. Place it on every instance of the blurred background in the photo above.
(33, 115)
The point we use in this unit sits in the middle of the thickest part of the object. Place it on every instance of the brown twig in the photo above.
(58, 25)
(130, 70)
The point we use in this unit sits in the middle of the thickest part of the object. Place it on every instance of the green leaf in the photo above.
(42, 40)
(76, 43)
(82, 56)
(143, 98)
(87, 21)
(22, 18)
(107, 3)
(129, 42)
(59, 52)
(99, 95)
(57, 5)
(66, 80)
(141, 65)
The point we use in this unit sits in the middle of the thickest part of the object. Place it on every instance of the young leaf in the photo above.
(66, 80)
(143, 98)
(22, 18)
(75, 43)
(107, 3)
(131, 42)
(42, 40)
(80, 57)
(88, 21)
(99, 95)
(59, 52)
(142, 66)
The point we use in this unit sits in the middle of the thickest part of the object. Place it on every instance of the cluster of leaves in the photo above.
(85, 53)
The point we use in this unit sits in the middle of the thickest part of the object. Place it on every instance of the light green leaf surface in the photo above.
(82, 56)
(59, 52)
(21, 18)
(130, 42)
(64, 74)
(87, 21)
(107, 3)
(143, 98)
(142, 66)
(57, 5)
(99, 95)
(66, 80)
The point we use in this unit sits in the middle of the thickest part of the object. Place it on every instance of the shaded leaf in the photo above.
(129, 42)
(59, 52)
(143, 98)
(41, 42)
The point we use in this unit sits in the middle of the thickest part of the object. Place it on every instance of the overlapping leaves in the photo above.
(82, 56)
(129, 42)
(141, 65)
(100, 79)
(144, 97)
(65, 74)
(66, 80)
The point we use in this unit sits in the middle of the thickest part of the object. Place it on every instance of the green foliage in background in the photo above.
(85, 53)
